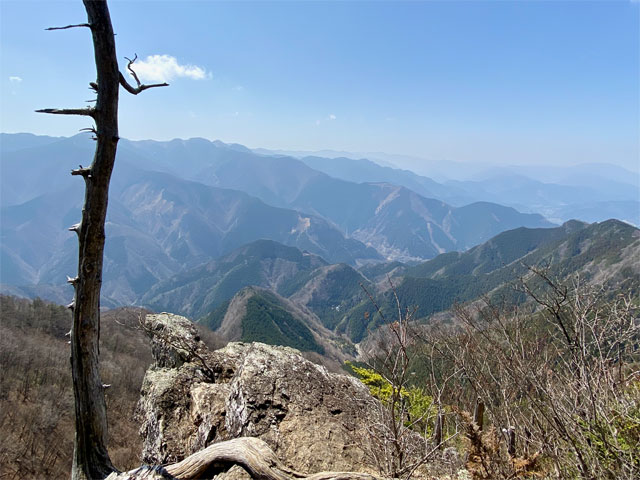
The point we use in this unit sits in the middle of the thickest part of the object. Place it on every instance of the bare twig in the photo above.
(373, 301)
(131, 70)
(140, 86)
(89, 112)
(83, 171)
(70, 26)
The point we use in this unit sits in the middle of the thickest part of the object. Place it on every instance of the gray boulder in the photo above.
(313, 420)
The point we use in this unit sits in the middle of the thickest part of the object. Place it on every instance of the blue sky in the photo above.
(507, 82)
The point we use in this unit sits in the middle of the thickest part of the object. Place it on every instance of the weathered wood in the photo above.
(252, 454)
(91, 459)
(89, 112)
(140, 88)
(69, 26)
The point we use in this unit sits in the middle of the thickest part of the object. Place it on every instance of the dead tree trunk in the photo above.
(91, 459)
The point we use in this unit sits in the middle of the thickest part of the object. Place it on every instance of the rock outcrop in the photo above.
(192, 397)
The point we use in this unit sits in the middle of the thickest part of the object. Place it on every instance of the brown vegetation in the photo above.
(560, 382)
(559, 385)
(36, 400)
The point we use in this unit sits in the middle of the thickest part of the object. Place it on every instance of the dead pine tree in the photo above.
(90, 458)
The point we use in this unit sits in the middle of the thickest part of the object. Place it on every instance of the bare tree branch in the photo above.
(89, 112)
(70, 26)
(83, 171)
(131, 70)
(140, 86)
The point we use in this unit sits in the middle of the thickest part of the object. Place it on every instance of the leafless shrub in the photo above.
(406, 436)
(36, 400)
(561, 378)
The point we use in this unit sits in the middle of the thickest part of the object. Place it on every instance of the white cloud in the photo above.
(330, 117)
(14, 79)
(164, 68)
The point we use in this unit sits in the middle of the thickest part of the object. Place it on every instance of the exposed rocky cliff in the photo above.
(192, 397)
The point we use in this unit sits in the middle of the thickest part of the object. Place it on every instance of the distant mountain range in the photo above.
(332, 302)
(603, 254)
(583, 174)
(193, 223)
(157, 226)
(399, 223)
(588, 192)
(264, 263)
(179, 204)
(591, 192)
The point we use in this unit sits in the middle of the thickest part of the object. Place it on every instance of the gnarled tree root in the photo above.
(252, 454)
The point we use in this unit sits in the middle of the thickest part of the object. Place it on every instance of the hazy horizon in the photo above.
(503, 83)
(388, 159)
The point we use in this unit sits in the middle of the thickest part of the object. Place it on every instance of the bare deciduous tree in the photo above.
(409, 430)
(559, 381)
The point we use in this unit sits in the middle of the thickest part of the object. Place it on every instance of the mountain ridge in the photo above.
(160, 225)
(283, 182)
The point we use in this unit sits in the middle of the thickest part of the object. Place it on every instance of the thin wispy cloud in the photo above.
(164, 68)
(15, 79)
(331, 117)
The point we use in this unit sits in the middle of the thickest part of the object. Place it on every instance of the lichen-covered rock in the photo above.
(312, 419)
